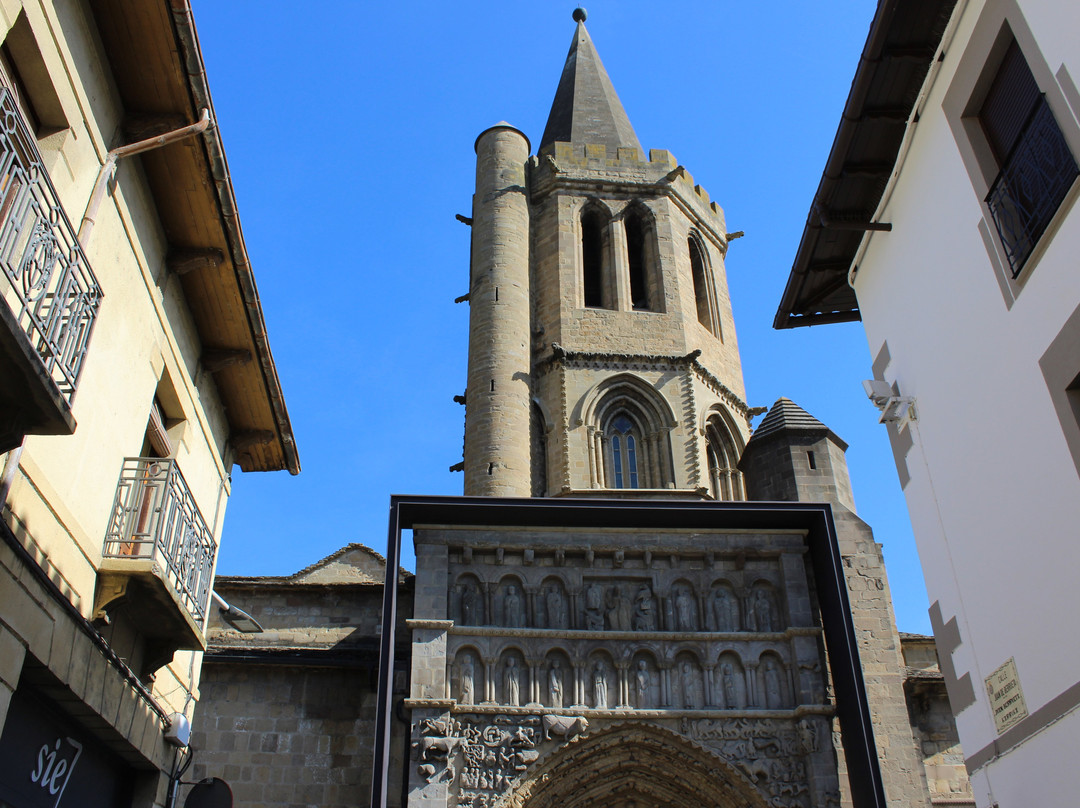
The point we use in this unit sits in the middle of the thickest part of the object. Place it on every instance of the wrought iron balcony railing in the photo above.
(1032, 184)
(46, 279)
(155, 517)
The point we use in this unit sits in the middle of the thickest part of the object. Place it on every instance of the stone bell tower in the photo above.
(603, 363)
(602, 350)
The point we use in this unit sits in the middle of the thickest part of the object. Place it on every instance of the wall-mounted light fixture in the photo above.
(237, 617)
(895, 408)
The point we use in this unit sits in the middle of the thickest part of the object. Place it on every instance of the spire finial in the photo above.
(580, 14)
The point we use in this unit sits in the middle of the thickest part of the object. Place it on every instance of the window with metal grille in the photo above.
(1036, 167)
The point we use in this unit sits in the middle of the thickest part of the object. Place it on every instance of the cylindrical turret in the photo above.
(498, 395)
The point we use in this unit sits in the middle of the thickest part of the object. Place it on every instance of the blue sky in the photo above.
(349, 130)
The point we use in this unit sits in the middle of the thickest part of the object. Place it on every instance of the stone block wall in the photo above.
(287, 716)
(933, 724)
(287, 736)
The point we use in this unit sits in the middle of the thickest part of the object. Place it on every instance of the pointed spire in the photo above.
(586, 108)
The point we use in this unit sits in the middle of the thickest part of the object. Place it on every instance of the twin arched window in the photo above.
(624, 437)
(629, 435)
(600, 256)
(722, 456)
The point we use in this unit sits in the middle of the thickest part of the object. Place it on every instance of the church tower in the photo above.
(609, 647)
(602, 350)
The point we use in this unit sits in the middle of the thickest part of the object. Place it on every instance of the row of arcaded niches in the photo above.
(722, 585)
(649, 674)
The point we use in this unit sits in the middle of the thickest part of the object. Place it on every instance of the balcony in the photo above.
(158, 560)
(50, 297)
(1038, 173)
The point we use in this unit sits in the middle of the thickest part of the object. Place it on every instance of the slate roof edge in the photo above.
(858, 101)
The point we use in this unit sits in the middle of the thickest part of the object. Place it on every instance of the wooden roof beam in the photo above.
(214, 360)
(182, 260)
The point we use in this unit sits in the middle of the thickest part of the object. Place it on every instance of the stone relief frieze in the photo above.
(774, 755)
(479, 758)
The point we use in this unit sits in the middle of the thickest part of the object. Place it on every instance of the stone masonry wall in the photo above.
(286, 736)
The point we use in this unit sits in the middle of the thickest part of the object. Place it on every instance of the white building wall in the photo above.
(994, 492)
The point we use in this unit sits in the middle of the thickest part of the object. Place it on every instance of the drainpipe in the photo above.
(11, 465)
(108, 168)
(105, 173)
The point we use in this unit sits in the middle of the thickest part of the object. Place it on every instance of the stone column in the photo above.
(489, 680)
(623, 701)
(665, 684)
(532, 617)
(621, 266)
(751, 685)
(591, 441)
(535, 677)
(707, 679)
(489, 603)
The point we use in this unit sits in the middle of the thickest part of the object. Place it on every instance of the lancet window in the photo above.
(624, 439)
(598, 291)
(703, 293)
(641, 258)
(725, 479)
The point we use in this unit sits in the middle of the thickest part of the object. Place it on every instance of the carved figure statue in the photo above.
(644, 685)
(468, 605)
(556, 608)
(725, 611)
(594, 603)
(555, 683)
(644, 610)
(512, 608)
(619, 610)
(600, 698)
(762, 611)
(468, 681)
(773, 697)
(686, 677)
(512, 682)
(731, 687)
(684, 609)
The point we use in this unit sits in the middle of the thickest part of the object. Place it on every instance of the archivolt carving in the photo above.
(633, 763)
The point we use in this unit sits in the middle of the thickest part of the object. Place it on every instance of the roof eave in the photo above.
(184, 27)
(798, 304)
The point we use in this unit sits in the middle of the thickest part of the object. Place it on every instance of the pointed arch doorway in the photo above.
(634, 765)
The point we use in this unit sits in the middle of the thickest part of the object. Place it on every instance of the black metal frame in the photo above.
(852, 706)
(1037, 174)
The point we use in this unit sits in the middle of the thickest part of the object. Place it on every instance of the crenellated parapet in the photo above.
(596, 168)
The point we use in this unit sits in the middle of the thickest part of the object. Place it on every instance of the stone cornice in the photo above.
(565, 357)
(793, 714)
(641, 636)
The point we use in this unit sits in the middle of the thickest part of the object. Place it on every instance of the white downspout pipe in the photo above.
(108, 168)
(86, 227)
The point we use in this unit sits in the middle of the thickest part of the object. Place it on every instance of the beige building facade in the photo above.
(135, 373)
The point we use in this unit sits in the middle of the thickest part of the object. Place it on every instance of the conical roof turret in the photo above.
(586, 108)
